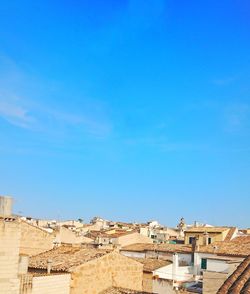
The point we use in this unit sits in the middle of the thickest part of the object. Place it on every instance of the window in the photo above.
(204, 263)
(209, 240)
(191, 240)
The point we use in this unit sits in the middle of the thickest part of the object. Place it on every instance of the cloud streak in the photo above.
(21, 105)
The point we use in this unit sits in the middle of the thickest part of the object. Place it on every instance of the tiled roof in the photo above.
(171, 248)
(123, 291)
(65, 258)
(239, 281)
(107, 234)
(150, 264)
(239, 246)
(231, 233)
(207, 229)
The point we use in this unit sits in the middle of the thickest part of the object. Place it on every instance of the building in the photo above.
(92, 270)
(117, 238)
(152, 269)
(215, 262)
(239, 280)
(9, 255)
(179, 267)
(35, 240)
(208, 235)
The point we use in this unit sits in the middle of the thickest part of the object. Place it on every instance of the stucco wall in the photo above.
(161, 286)
(53, 284)
(133, 254)
(34, 240)
(102, 273)
(9, 256)
(214, 237)
(147, 282)
(212, 281)
(64, 235)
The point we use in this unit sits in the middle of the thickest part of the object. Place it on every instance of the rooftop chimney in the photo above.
(206, 238)
(6, 206)
(49, 265)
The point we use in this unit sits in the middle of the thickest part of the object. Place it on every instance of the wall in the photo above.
(134, 254)
(131, 239)
(214, 237)
(212, 281)
(64, 235)
(9, 256)
(52, 284)
(217, 265)
(162, 287)
(111, 270)
(147, 282)
(34, 240)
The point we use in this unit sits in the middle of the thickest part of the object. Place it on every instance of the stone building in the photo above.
(92, 270)
(9, 255)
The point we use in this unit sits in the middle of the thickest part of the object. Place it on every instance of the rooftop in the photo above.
(207, 229)
(150, 264)
(239, 281)
(171, 248)
(123, 291)
(65, 258)
(109, 233)
(239, 246)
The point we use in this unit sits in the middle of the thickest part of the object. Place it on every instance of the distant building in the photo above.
(209, 235)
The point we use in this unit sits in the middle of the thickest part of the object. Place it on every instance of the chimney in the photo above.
(6, 206)
(49, 265)
(175, 266)
(206, 237)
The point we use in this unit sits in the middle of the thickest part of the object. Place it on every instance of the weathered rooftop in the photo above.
(207, 229)
(239, 246)
(150, 264)
(171, 248)
(123, 291)
(65, 258)
(239, 281)
(109, 234)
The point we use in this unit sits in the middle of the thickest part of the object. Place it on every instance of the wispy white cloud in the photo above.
(14, 113)
(21, 105)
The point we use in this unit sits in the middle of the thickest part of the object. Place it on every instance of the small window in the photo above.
(204, 263)
(191, 240)
(209, 240)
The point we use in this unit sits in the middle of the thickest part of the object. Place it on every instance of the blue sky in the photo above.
(132, 110)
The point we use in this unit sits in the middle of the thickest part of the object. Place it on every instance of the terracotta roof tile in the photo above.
(150, 264)
(239, 246)
(239, 281)
(171, 248)
(123, 291)
(65, 258)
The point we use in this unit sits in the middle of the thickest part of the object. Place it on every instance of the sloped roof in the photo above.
(150, 264)
(65, 258)
(239, 281)
(123, 291)
(207, 229)
(171, 248)
(239, 246)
